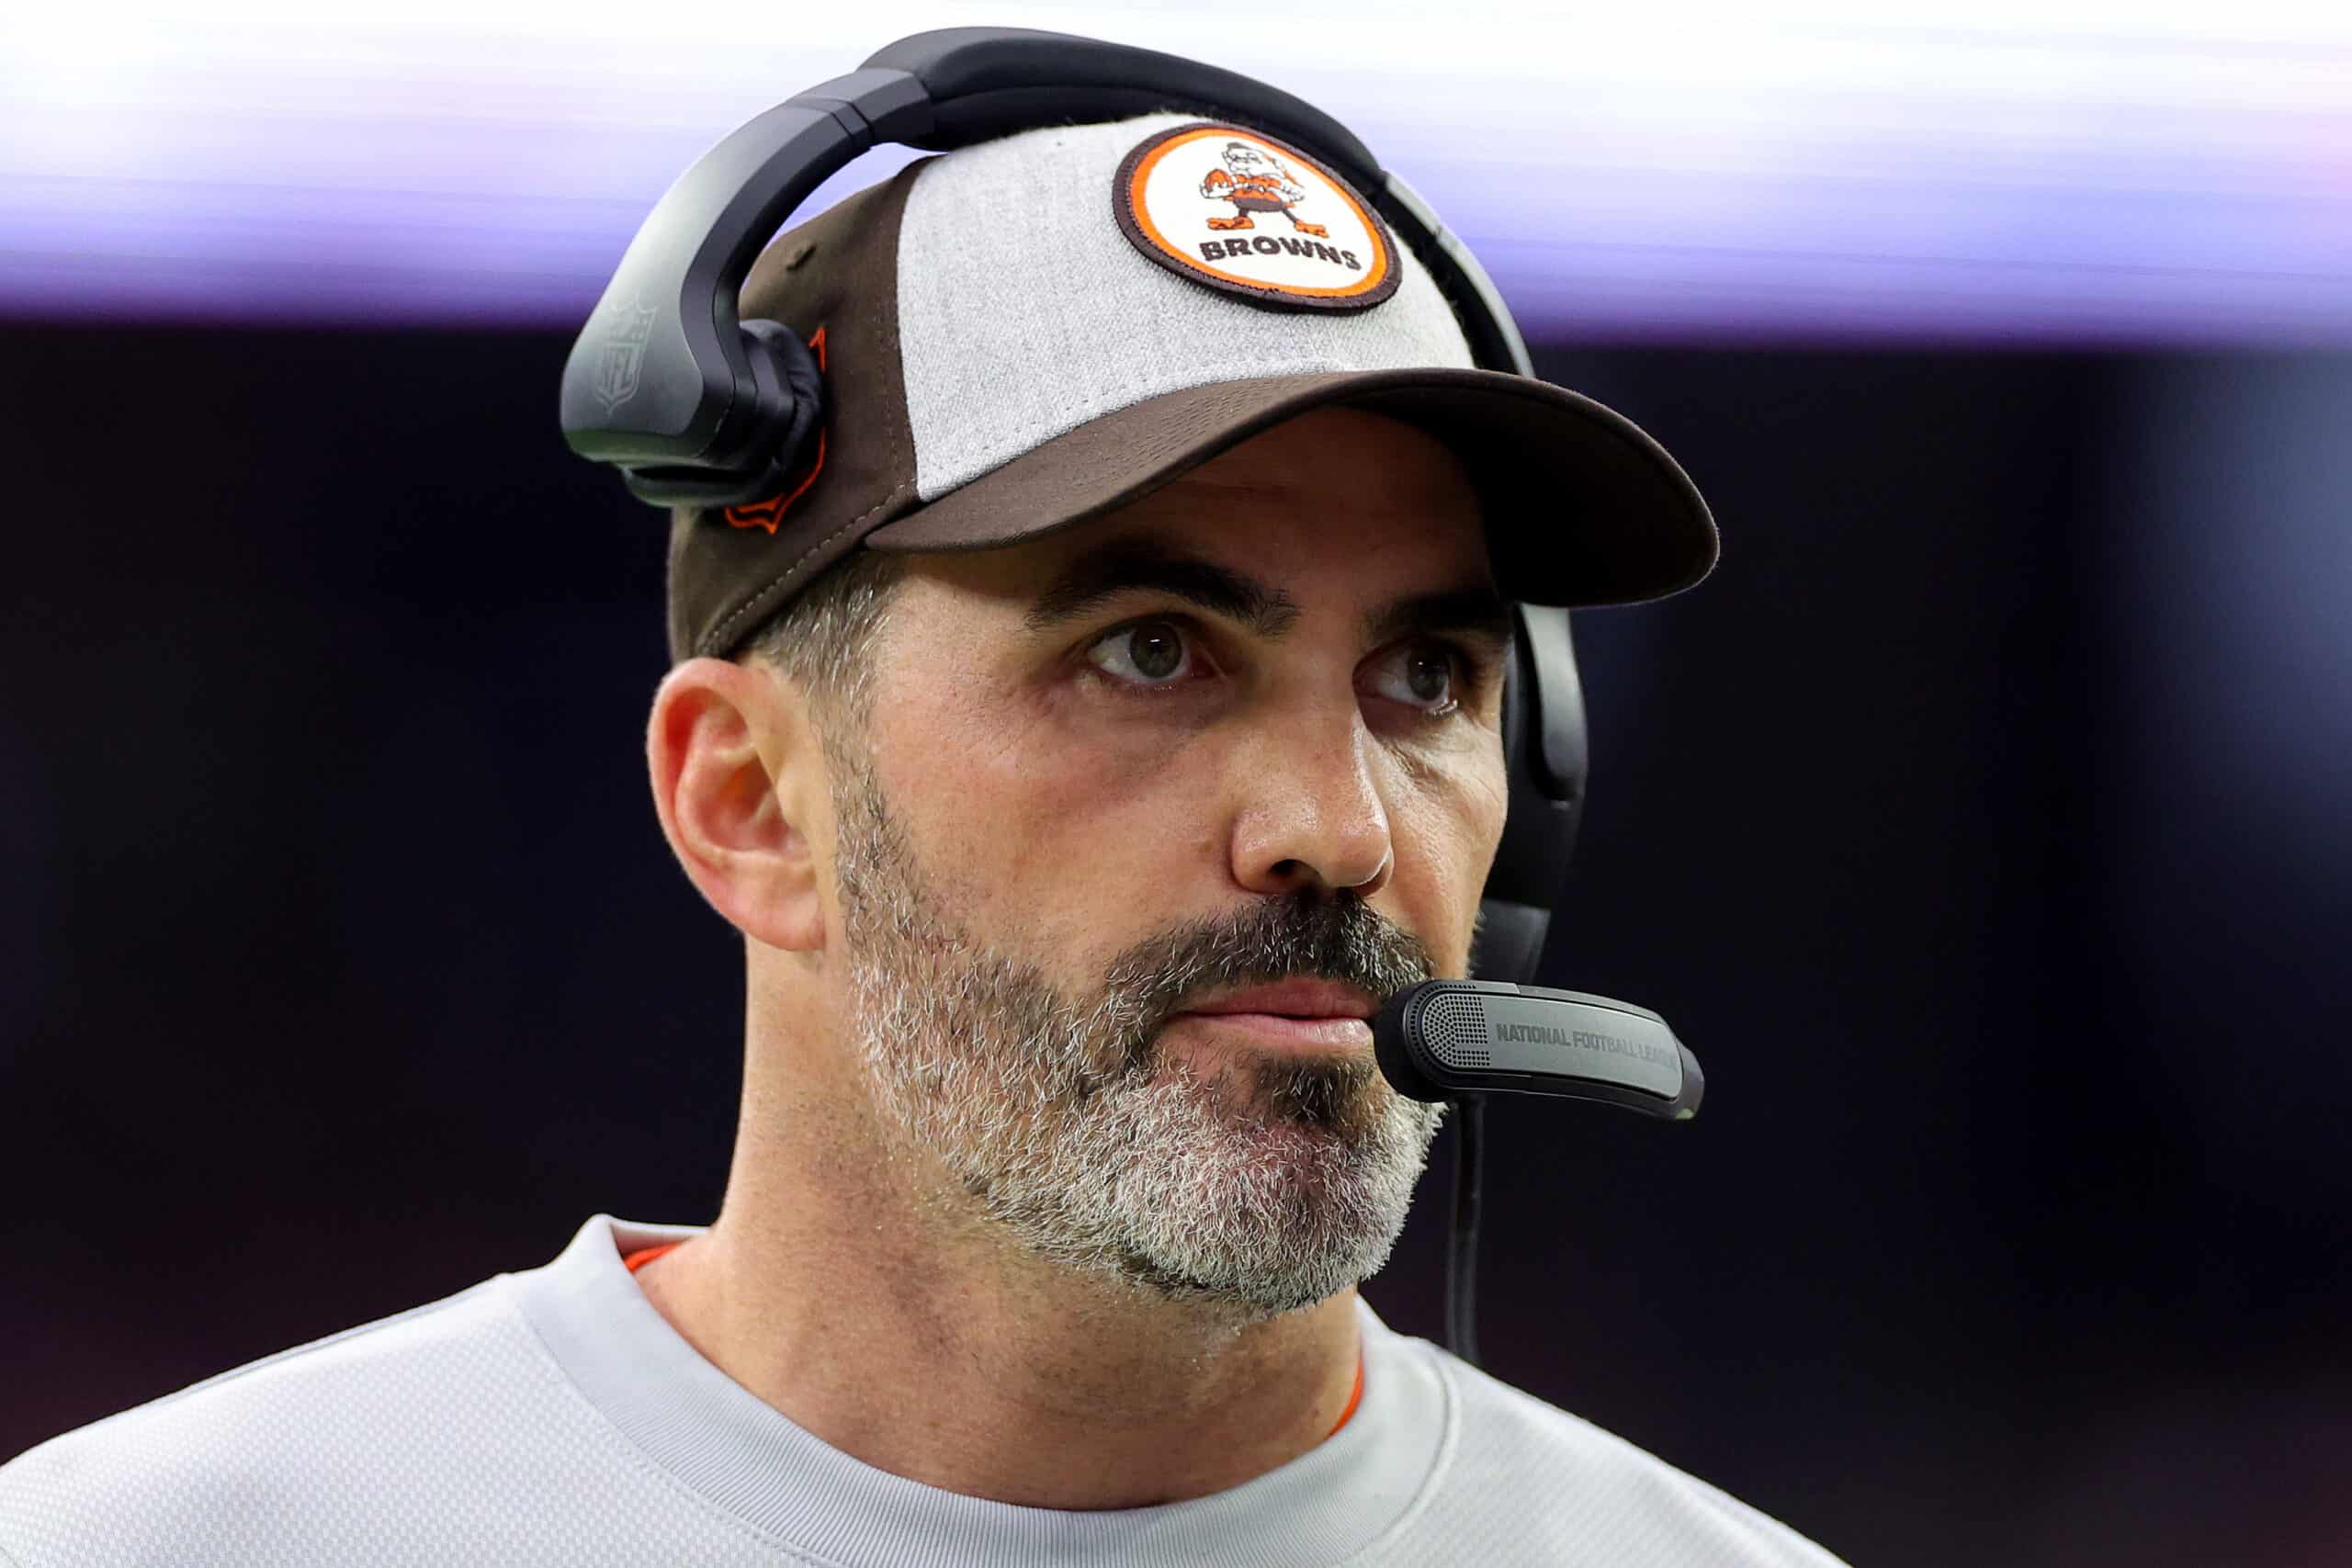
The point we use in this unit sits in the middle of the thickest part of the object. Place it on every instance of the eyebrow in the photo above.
(1124, 566)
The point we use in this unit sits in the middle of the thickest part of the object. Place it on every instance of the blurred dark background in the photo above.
(1982, 824)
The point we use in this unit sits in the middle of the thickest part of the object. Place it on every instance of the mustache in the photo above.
(1304, 935)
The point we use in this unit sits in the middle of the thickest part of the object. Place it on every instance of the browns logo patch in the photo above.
(1256, 217)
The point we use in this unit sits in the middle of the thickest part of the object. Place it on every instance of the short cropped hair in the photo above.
(824, 637)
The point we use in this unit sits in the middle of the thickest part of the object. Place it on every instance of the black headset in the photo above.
(721, 406)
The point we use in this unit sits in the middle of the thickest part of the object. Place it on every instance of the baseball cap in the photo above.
(1029, 332)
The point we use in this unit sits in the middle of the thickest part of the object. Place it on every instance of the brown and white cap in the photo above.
(1029, 332)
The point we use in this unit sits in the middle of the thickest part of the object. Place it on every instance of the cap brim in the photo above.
(1581, 507)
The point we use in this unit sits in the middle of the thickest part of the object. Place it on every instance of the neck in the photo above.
(840, 1286)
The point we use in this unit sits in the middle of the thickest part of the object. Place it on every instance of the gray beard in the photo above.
(1263, 1187)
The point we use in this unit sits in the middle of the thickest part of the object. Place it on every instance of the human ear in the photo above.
(733, 758)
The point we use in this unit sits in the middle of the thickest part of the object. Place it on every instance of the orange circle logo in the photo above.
(1256, 217)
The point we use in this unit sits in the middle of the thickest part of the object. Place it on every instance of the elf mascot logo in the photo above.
(1203, 200)
(1255, 181)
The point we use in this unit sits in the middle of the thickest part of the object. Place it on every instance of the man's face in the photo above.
(1241, 732)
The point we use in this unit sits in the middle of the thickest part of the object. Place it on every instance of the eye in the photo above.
(1145, 653)
(1423, 675)
(1158, 654)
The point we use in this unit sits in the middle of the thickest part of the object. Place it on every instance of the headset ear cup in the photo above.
(1542, 714)
(1515, 701)
(792, 401)
(1510, 940)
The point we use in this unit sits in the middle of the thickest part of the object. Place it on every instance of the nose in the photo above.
(1311, 815)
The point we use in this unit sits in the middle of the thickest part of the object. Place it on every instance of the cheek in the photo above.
(1447, 822)
(1039, 817)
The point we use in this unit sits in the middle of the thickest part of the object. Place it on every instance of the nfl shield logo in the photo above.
(622, 355)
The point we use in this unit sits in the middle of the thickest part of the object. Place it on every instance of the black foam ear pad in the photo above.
(1544, 756)
(1543, 746)
(792, 400)
(1510, 940)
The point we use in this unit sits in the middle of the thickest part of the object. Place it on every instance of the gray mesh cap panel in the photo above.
(1023, 312)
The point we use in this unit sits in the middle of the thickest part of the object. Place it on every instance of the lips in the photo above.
(1277, 1029)
(1293, 1013)
(1295, 998)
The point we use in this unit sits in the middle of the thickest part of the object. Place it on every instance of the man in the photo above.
(1097, 726)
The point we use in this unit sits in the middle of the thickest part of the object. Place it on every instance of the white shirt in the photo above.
(554, 1419)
